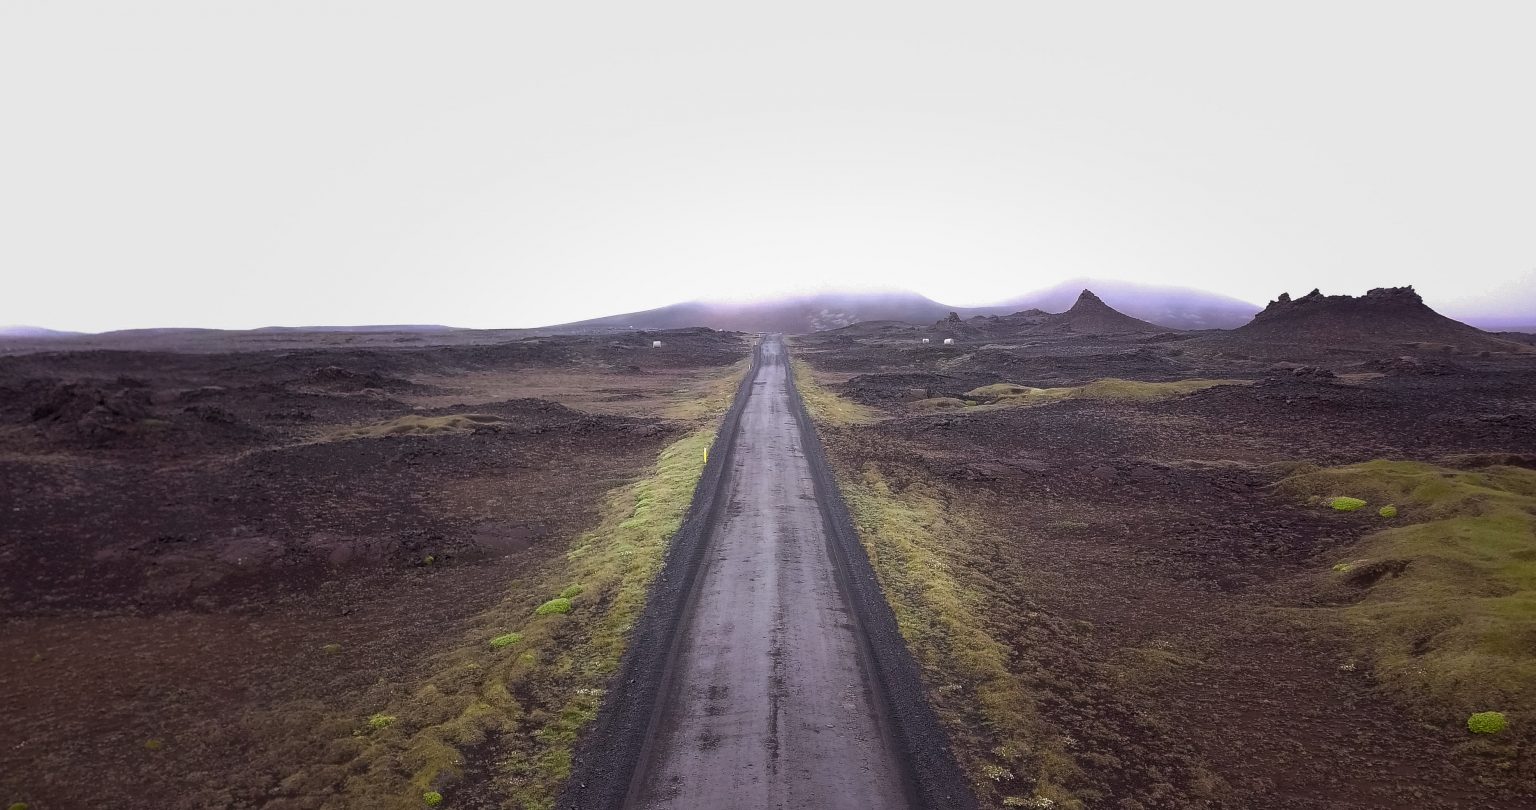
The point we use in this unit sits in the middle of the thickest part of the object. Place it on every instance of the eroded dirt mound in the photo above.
(124, 413)
(1036, 365)
(336, 378)
(1413, 365)
(93, 411)
(869, 389)
(286, 517)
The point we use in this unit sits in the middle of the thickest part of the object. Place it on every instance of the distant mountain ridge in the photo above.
(796, 314)
(1167, 307)
(1172, 307)
(20, 331)
(1088, 315)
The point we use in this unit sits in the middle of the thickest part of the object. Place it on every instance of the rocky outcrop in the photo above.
(1394, 316)
(93, 411)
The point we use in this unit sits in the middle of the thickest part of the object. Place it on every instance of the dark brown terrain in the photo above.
(211, 563)
(1169, 627)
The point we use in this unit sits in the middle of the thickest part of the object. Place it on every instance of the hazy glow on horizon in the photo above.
(516, 164)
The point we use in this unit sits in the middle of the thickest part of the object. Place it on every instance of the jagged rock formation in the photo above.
(1387, 316)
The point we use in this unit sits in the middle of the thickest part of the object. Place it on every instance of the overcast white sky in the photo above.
(520, 163)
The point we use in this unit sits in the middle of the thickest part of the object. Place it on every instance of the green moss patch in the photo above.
(1445, 605)
(1487, 723)
(505, 640)
(558, 605)
(1346, 504)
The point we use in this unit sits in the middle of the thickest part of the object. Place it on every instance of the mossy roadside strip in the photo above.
(937, 778)
(912, 539)
(611, 747)
(512, 697)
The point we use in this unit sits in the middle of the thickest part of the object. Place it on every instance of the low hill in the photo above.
(795, 315)
(1089, 314)
(33, 332)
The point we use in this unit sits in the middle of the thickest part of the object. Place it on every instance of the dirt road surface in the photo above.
(770, 701)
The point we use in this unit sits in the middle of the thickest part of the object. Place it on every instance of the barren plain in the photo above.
(1071, 560)
(330, 574)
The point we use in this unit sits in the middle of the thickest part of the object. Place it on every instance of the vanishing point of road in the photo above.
(770, 703)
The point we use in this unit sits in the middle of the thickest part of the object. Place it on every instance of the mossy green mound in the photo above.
(1117, 389)
(1448, 613)
(505, 640)
(432, 798)
(1346, 504)
(999, 390)
(1010, 394)
(558, 605)
(571, 592)
(1487, 723)
(1388, 511)
(939, 404)
(416, 425)
(381, 720)
(1110, 389)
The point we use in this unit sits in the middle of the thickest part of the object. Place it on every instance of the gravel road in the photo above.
(770, 703)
